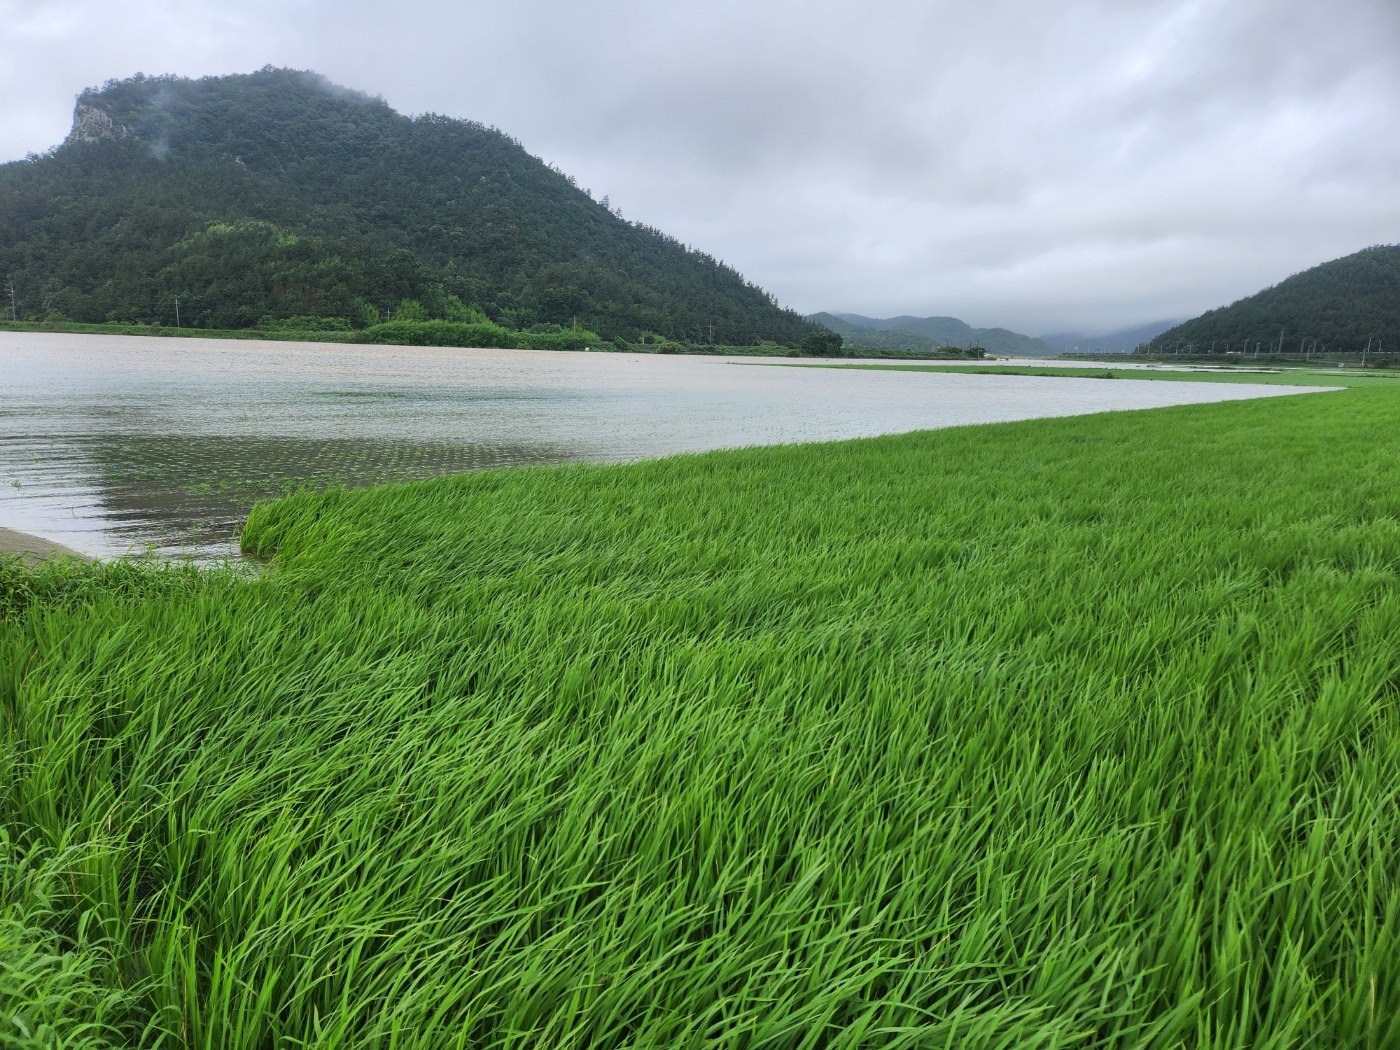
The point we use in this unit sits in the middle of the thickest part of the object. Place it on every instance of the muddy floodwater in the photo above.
(116, 445)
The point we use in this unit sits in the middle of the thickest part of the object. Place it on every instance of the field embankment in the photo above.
(1068, 733)
(33, 548)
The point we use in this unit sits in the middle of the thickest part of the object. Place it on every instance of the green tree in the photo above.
(823, 343)
(456, 310)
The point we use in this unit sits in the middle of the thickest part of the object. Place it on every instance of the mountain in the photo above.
(1343, 305)
(280, 195)
(926, 333)
(861, 337)
(1123, 340)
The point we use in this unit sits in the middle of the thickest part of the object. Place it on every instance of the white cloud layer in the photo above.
(1040, 164)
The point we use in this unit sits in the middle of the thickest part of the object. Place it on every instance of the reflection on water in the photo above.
(188, 493)
(118, 444)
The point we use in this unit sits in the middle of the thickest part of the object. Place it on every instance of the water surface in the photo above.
(119, 444)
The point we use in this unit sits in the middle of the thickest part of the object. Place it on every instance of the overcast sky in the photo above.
(1037, 164)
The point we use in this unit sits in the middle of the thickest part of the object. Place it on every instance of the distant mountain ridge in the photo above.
(1123, 340)
(928, 333)
(1344, 305)
(279, 195)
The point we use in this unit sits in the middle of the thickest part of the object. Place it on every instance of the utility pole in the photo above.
(14, 315)
(177, 311)
(712, 333)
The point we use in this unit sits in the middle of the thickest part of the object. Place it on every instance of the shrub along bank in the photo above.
(1067, 733)
(443, 333)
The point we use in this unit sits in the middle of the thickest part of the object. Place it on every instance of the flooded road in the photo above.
(113, 445)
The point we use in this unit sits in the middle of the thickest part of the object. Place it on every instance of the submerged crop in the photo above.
(1077, 732)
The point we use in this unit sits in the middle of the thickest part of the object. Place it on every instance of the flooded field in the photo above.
(115, 445)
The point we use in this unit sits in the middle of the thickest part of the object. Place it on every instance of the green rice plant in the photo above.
(1065, 733)
(55, 991)
(65, 582)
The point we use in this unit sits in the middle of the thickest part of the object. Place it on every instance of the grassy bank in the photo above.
(1066, 733)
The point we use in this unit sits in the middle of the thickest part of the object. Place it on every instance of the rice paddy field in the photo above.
(1078, 732)
(129, 446)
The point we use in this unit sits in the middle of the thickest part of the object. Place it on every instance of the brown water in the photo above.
(117, 444)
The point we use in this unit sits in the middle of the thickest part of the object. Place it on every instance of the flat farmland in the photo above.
(1075, 732)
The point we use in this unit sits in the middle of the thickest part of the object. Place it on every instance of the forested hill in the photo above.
(279, 195)
(1344, 305)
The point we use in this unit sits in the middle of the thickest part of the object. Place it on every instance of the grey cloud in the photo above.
(1040, 165)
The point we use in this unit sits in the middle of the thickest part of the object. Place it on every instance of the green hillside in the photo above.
(279, 195)
(1341, 306)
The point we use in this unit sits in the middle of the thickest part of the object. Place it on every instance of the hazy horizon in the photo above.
(1161, 323)
(1046, 168)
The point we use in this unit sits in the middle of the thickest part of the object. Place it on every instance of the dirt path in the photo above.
(34, 548)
